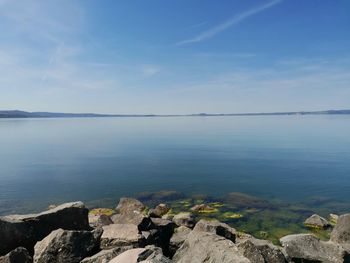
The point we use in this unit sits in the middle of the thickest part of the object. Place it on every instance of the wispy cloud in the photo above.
(229, 23)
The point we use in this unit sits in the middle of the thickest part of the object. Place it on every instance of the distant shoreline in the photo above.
(25, 114)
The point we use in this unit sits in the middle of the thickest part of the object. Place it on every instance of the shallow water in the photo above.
(294, 160)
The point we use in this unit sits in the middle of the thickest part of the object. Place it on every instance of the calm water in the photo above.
(290, 158)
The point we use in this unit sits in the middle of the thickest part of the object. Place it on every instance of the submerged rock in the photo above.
(307, 247)
(159, 210)
(118, 235)
(160, 196)
(237, 199)
(26, 230)
(216, 227)
(66, 246)
(184, 219)
(177, 239)
(261, 251)
(105, 256)
(341, 231)
(316, 221)
(148, 254)
(18, 255)
(203, 208)
(208, 247)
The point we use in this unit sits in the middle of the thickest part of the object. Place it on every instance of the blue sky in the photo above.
(183, 56)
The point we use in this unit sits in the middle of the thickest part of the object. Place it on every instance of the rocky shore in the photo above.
(134, 233)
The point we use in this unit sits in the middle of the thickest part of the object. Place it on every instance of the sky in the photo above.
(174, 57)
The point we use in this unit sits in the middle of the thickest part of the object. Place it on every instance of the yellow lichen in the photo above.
(102, 211)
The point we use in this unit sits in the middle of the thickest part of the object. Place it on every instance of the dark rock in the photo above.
(261, 251)
(316, 221)
(148, 254)
(341, 231)
(129, 205)
(18, 255)
(159, 210)
(184, 219)
(105, 256)
(165, 229)
(118, 235)
(245, 201)
(177, 239)
(216, 227)
(308, 248)
(208, 247)
(66, 246)
(143, 222)
(26, 230)
(150, 236)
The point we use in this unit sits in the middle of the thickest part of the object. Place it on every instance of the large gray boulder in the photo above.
(119, 235)
(307, 247)
(129, 205)
(202, 247)
(66, 246)
(178, 238)
(106, 255)
(26, 230)
(341, 231)
(261, 251)
(184, 219)
(216, 227)
(316, 221)
(18, 255)
(148, 254)
(136, 218)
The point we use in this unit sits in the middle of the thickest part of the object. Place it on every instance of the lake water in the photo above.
(291, 159)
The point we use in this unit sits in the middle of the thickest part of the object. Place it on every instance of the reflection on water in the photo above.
(294, 165)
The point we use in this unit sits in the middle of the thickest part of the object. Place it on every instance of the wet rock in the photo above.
(118, 235)
(341, 231)
(179, 236)
(129, 205)
(307, 247)
(159, 210)
(105, 256)
(237, 199)
(184, 219)
(208, 247)
(66, 246)
(261, 251)
(26, 230)
(148, 254)
(316, 221)
(143, 222)
(203, 208)
(216, 227)
(18, 255)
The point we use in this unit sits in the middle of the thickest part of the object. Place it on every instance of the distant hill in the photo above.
(25, 114)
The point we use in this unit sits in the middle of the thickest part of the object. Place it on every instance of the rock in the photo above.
(168, 216)
(66, 246)
(143, 222)
(216, 227)
(316, 221)
(129, 205)
(149, 254)
(203, 208)
(184, 219)
(208, 247)
(307, 247)
(333, 219)
(159, 210)
(245, 201)
(160, 196)
(26, 230)
(99, 220)
(18, 255)
(165, 229)
(341, 231)
(105, 256)
(261, 251)
(150, 236)
(118, 235)
(179, 236)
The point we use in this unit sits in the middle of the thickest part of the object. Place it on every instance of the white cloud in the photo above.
(229, 23)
